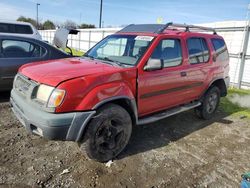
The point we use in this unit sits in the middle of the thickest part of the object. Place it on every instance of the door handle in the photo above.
(183, 74)
(214, 57)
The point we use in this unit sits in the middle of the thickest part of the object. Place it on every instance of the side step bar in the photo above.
(167, 113)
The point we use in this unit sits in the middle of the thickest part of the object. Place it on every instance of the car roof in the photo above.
(15, 22)
(18, 37)
(142, 28)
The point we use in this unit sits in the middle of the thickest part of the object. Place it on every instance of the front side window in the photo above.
(168, 50)
(20, 49)
(123, 49)
(197, 50)
(220, 49)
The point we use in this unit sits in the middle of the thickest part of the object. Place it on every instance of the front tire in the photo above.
(107, 134)
(210, 104)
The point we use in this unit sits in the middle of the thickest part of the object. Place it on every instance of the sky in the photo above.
(118, 12)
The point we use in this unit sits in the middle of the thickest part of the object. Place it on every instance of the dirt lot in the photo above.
(180, 151)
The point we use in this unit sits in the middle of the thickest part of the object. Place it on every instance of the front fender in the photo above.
(104, 93)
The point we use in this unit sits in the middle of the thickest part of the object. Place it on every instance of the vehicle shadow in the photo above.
(161, 133)
(4, 96)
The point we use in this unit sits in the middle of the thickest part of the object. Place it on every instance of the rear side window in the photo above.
(220, 49)
(169, 50)
(20, 49)
(197, 50)
(15, 28)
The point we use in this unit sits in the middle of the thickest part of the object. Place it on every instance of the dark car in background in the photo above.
(16, 51)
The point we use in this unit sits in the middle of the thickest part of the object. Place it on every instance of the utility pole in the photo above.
(100, 20)
(80, 19)
(37, 23)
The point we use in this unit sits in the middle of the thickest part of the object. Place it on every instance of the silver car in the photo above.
(22, 29)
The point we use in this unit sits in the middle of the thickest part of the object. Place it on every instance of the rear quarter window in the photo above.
(220, 49)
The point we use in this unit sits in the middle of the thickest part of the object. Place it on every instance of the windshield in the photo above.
(121, 49)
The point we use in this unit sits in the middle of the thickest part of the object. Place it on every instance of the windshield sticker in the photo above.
(144, 38)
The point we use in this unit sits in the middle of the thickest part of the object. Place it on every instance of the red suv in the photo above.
(136, 76)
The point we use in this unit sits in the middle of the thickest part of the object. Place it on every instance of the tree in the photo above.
(29, 20)
(83, 26)
(48, 25)
(69, 24)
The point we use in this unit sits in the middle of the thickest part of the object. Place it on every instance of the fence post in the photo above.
(243, 55)
(103, 34)
(89, 38)
(79, 45)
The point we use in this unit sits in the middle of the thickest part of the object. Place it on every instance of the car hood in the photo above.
(53, 72)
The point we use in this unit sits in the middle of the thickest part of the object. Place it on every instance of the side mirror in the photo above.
(154, 64)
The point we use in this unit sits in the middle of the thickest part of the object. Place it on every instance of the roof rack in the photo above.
(160, 28)
(187, 27)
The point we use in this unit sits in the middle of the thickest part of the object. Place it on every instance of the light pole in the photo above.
(37, 24)
(100, 20)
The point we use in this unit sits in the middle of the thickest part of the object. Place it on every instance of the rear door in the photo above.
(13, 54)
(199, 65)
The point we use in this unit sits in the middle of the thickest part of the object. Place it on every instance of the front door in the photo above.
(165, 88)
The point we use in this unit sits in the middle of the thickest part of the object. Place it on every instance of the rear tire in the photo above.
(107, 134)
(210, 104)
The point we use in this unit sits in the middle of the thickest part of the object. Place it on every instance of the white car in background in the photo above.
(16, 28)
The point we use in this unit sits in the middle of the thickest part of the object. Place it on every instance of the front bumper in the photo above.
(64, 126)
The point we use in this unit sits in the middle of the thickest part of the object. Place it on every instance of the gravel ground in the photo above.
(180, 151)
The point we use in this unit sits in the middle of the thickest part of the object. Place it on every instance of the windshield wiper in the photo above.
(113, 61)
(106, 59)
(91, 57)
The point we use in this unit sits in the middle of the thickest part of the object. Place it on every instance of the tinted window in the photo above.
(15, 28)
(20, 49)
(140, 45)
(169, 50)
(220, 49)
(197, 50)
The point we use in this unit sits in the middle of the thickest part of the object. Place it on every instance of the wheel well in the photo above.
(221, 85)
(128, 105)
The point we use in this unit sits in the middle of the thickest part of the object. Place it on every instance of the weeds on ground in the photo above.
(232, 108)
(238, 91)
(75, 52)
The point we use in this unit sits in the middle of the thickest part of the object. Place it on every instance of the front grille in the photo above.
(23, 86)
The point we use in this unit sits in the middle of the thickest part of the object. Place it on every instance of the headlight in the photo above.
(50, 95)
(44, 92)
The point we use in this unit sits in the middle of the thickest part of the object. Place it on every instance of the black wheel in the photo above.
(210, 103)
(107, 134)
